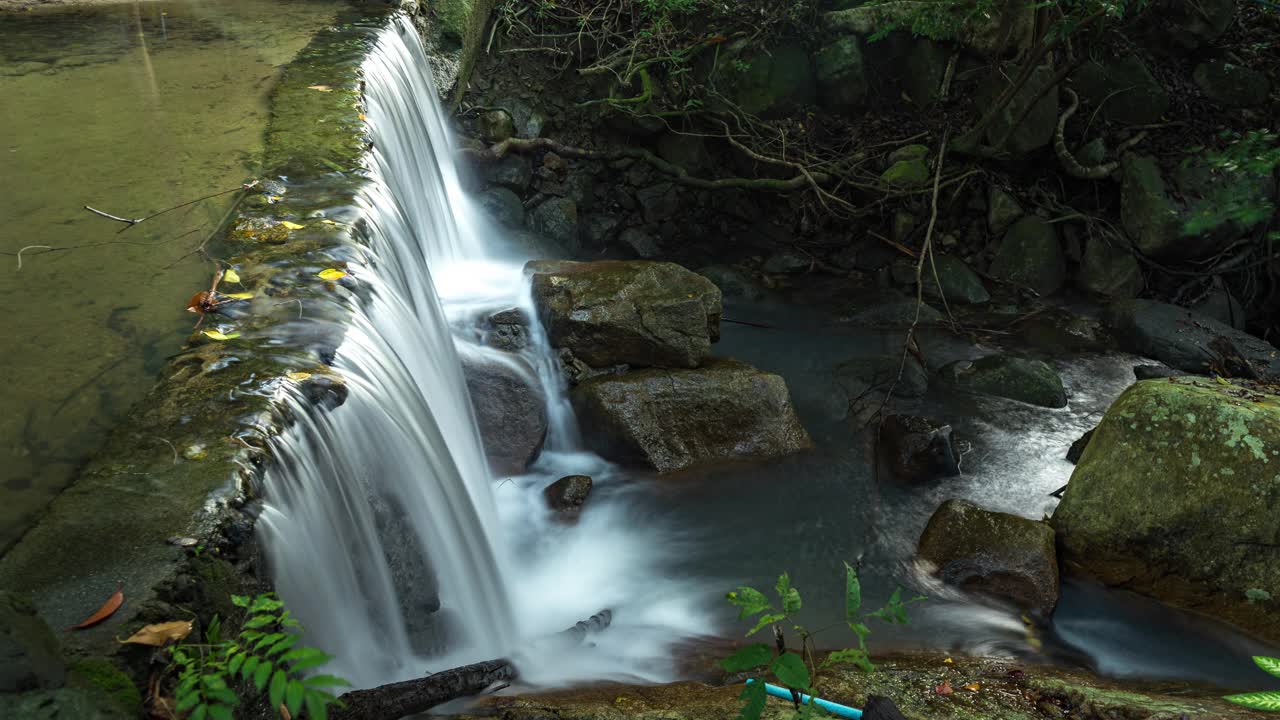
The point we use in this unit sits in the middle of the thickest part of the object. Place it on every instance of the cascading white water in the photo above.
(375, 501)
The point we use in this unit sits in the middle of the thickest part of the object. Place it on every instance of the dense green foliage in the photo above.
(1239, 193)
(951, 19)
(798, 671)
(265, 657)
(1261, 700)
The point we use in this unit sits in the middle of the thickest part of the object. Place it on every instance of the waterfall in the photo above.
(386, 534)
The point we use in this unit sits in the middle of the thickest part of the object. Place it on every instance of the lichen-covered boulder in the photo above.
(557, 219)
(1176, 495)
(993, 553)
(639, 313)
(1026, 380)
(1187, 340)
(675, 419)
(510, 408)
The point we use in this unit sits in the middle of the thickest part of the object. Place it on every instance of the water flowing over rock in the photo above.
(645, 314)
(568, 494)
(675, 419)
(510, 408)
(992, 553)
(1175, 497)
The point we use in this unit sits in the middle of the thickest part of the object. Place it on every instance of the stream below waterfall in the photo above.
(383, 510)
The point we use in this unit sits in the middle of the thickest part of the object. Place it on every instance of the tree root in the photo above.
(678, 174)
(1069, 163)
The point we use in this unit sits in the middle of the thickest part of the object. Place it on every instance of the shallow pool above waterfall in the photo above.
(130, 108)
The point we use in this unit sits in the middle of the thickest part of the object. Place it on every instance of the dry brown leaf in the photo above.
(160, 634)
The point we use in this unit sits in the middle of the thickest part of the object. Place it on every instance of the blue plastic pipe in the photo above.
(843, 711)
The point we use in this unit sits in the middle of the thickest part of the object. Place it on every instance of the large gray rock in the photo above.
(510, 407)
(1192, 25)
(1108, 270)
(557, 219)
(1150, 217)
(637, 313)
(993, 553)
(841, 74)
(1185, 340)
(1124, 89)
(675, 419)
(766, 83)
(916, 449)
(503, 205)
(29, 654)
(1029, 381)
(1175, 497)
(513, 171)
(1031, 256)
(1002, 211)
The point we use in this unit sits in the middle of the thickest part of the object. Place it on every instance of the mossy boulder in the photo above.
(991, 553)
(1109, 270)
(1023, 379)
(841, 74)
(453, 16)
(1031, 256)
(675, 419)
(68, 703)
(1175, 497)
(767, 83)
(1035, 129)
(907, 173)
(557, 220)
(638, 313)
(1232, 85)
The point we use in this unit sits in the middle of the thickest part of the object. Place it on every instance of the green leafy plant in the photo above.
(668, 7)
(799, 670)
(1238, 195)
(264, 657)
(1269, 701)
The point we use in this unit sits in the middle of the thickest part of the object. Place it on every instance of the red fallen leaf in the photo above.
(108, 609)
(944, 689)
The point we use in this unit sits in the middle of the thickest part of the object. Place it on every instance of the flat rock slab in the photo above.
(675, 419)
(1186, 340)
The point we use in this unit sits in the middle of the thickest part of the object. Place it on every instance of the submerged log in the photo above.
(409, 697)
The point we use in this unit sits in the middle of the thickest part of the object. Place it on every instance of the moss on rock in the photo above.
(1175, 497)
(111, 681)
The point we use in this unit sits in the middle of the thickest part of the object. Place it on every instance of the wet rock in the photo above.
(639, 242)
(1031, 256)
(510, 408)
(1152, 372)
(907, 173)
(68, 703)
(567, 494)
(675, 419)
(901, 64)
(503, 205)
(916, 449)
(1077, 448)
(954, 281)
(1175, 498)
(1029, 381)
(1232, 85)
(1059, 331)
(506, 330)
(860, 376)
(557, 219)
(29, 655)
(1002, 211)
(634, 312)
(496, 126)
(841, 74)
(733, 283)
(1108, 270)
(513, 171)
(1004, 556)
(1124, 89)
(1037, 127)
(1187, 341)
(1150, 217)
